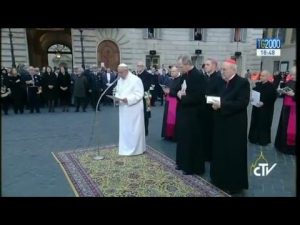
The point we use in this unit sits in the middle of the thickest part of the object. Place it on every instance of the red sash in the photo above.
(171, 116)
(291, 129)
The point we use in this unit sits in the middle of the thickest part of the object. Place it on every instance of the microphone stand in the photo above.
(100, 157)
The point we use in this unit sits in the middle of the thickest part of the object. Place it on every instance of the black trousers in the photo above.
(18, 106)
(33, 98)
(80, 101)
(5, 104)
(146, 117)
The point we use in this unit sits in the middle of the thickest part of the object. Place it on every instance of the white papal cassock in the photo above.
(131, 116)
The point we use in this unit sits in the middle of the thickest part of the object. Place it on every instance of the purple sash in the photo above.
(171, 116)
(291, 129)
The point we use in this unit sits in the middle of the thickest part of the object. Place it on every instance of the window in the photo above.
(152, 61)
(275, 33)
(276, 66)
(279, 33)
(151, 34)
(59, 54)
(293, 38)
(239, 35)
(265, 33)
(284, 66)
(198, 34)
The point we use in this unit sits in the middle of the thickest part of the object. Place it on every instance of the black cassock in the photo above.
(147, 82)
(229, 152)
(175, 86)
(189, 151)
(285, 140)
(213, 81)
(262, 117)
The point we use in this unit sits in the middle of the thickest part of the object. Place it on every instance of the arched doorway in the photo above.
(41, 39)
(109, 54)
(59, 55)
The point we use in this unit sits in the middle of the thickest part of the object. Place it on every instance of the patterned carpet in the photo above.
(149, 175)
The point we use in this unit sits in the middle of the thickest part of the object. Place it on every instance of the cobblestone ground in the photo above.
(28, 168)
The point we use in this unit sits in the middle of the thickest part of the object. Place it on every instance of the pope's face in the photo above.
(122, 72)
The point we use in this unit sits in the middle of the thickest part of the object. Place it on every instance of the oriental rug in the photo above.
(151, 174)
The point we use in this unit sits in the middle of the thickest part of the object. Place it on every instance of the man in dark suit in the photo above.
(107, 78)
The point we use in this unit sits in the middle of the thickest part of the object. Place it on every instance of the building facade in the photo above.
(158, 47)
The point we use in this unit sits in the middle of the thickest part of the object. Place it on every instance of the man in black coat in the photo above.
(229, 151)
(147, 82)
(189, 127)
(213, 79)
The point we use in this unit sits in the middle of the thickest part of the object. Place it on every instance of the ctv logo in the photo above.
(261, 169)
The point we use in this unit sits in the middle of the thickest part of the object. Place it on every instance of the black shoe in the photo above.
(187, 173)
(177, 168)
(200, 173)
(234, 192)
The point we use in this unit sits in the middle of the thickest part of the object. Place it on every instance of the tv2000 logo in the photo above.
(268, 43)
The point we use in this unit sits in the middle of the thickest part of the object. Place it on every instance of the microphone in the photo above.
(100, 157)
(118, 77)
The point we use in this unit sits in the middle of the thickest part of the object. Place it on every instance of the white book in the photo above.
(255, 97)
(212, 99)
(183, 86)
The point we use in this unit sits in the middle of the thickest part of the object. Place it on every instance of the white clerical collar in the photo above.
(210, 73)
(231, 77)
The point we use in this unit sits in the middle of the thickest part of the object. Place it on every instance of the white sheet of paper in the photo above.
(255, 97)
(114, 98)
(183, 86)
(212, 99)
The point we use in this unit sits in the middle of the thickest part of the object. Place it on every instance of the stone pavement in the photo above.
(29, 169)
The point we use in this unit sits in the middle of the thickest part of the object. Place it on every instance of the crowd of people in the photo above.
(31, 88)
(213, 131)
(217, 131)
